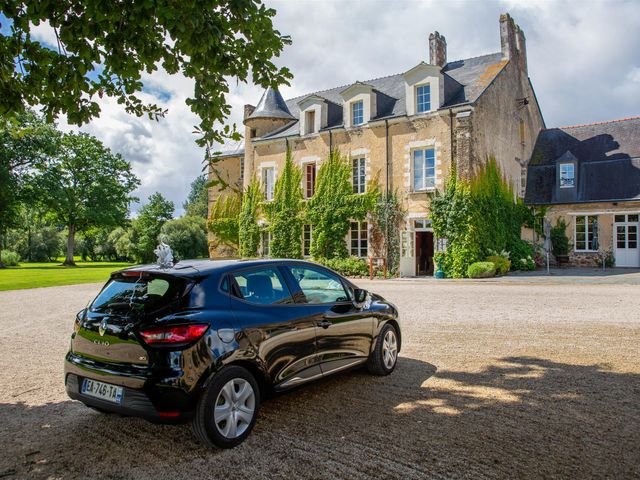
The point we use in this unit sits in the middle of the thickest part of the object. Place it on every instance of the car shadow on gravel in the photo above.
(519, 417)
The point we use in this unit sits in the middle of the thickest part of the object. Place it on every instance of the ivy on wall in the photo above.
(386, 220)
(480, 217)
(223, 219)
(248, 228)
(334, 206)
(284, 213)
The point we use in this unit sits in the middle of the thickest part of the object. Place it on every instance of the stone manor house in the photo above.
(406, 130)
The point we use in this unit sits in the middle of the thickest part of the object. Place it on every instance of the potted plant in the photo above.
(560, 242)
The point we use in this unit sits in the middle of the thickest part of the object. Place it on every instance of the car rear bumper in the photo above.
(143, 396)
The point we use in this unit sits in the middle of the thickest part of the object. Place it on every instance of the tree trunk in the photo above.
(68, 261)
(1, 242)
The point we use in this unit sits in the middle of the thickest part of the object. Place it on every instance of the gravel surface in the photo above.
(494, 381)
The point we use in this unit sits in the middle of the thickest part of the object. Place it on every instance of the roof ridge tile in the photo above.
(605, 122)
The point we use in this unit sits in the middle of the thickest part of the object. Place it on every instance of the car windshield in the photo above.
(138, 293)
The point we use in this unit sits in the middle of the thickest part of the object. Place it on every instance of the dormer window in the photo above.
(423, 98)
(567, 175)
(310, 122)
(357, 113)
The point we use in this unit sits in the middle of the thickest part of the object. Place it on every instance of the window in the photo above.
(359, 175)
(585, 227)
(309, 180)
(252, 133)
(424, 169)
(319, 286)
(523, 181)
(134, 292)
(359, 239)
(310, 122)
(423, 98)
(567, 175)
(268, 182)
(263, 286)
(307, 236)
(357, 113)
(265, 243)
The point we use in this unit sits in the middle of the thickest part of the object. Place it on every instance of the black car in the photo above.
(204, 340)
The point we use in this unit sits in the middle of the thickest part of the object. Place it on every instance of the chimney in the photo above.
(513, 42)
(248, 110)
(437, 49)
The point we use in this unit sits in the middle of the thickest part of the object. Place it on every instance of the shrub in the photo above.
(9, 258)
(522, 256)
(503, 265)
(481, 270)
(349, 267)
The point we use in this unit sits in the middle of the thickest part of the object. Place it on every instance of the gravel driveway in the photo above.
(494, 381)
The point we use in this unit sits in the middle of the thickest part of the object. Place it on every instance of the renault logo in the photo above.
(103, 327)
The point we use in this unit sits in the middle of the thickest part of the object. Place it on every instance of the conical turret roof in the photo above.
(272, 105)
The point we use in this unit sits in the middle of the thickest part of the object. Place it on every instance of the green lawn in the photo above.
(33, 275)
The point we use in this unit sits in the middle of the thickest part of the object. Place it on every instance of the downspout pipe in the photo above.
(386, 126)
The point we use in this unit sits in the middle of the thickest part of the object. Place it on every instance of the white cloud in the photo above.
(583, 61)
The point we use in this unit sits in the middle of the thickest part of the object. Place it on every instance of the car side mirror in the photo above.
(80, 315)
(361, 298)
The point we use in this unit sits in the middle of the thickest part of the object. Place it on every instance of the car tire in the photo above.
(227, 409)
(384, 357)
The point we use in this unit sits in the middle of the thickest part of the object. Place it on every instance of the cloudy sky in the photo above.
(584, 63)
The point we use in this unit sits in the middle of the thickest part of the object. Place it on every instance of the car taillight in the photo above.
(177, 334)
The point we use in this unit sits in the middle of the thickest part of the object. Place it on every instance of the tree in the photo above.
(103, 48)
(284, 212)
(146, 228)
(334, 206)
(187, 237)
(25, 141)
(248, 229)
(197, 204)
(84, 185)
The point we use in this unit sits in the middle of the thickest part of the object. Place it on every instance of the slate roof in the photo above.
(464, 82)
(608, 162)
(271, 105)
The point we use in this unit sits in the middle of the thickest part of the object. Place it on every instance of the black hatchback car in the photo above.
(205, 340)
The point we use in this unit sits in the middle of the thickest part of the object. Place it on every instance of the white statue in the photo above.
(165, 255)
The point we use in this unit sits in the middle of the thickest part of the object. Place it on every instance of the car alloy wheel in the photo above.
(234, 408)
(390, 349)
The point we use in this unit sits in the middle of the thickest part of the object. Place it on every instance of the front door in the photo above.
(626, 241)
(407, 253)
(343, 333)
(424, 253)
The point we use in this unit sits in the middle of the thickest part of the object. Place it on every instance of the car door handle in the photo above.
(324, 323)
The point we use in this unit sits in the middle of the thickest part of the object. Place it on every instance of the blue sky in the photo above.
(583, 58)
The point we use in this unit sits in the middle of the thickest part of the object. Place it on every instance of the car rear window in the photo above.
(142, 293)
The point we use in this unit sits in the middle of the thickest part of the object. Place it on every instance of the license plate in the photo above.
(101, 390)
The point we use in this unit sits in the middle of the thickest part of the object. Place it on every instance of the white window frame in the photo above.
(360, 238)
(310, 127)
(586, 232)
(353, 116)
(573, 176)
(359, 174)
(425, 187)
(269, 190)
(306, 242)
(418, 111)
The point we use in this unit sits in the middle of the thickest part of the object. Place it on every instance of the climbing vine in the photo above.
(284, 213)
(386, 220)
(334, 206)
(223, 219)
(248, 228)
(478, 218)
